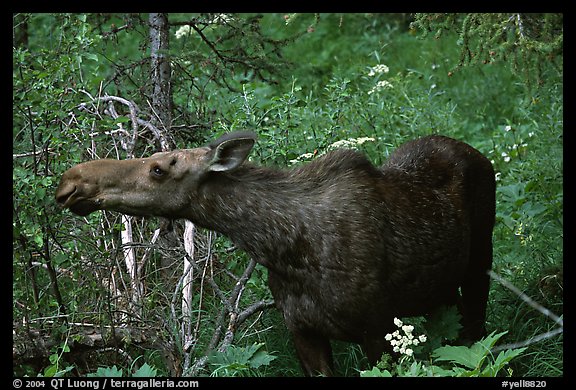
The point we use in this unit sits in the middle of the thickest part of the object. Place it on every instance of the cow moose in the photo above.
(348, 246)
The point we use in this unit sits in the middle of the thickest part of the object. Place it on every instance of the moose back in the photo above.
(349, 246)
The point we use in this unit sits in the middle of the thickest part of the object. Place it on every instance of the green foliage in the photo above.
(145, 371)
(474, 361)
(442, 326)
(477, 360)
(524, 40)
(58, 367)
(106, 372)
(239, 361)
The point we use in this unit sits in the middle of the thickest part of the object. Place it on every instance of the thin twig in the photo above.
(207, 41)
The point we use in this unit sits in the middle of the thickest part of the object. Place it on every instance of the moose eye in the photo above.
(157, 171)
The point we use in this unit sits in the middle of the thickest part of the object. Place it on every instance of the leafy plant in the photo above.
(106, 372)
(474, 361)
(239, 361)
(112, 372)
(58, 366)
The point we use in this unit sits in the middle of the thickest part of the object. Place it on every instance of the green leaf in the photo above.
(39, 240)
(502, 359)
(122, 119)
(51, 370)
(470, 357)
(60, 258)
(439, 371)
(236, 359)
(375, 372)
(464, 356)
(63, 372)
(91, 56)
(145, 371)
(489, 341)
(260, 358)
(106, 372)
(444, 324)
(54, 358)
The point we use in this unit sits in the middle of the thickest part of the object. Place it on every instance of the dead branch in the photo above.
(36, 153)
(533, 340)
(526, 298)
(542, 336)
(222, 340)
(34, 346)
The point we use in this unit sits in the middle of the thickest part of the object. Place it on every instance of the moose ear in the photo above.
(229, 151)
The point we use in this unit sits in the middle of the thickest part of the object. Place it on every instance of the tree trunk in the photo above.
(160, 71)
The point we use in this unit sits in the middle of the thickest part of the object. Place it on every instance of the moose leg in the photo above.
(476, 286)
(315, 353)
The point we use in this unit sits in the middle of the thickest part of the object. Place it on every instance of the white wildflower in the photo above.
(380, 85)
(350, 143)
(497, 176)
(361, 140)
(407, 329)
(302, 157)
(343, 143)
(378, 69)
(182, 31)
(508, 128)
(384, 84)
(399, 342)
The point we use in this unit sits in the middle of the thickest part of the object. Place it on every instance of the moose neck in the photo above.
(257, 208)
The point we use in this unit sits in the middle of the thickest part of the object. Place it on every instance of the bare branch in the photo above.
(36, 153)
(526, 298)
(133, 116)
(254, 308)
(535, 305)
(525, 343)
